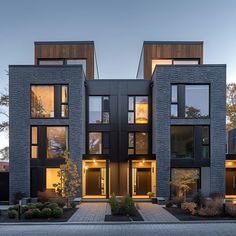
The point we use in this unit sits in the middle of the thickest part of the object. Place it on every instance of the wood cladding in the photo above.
(77, 50)
(167, 50)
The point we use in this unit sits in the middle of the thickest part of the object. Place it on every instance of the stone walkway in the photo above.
(155, 213)
(91, 212)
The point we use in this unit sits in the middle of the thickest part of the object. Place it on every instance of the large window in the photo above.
(196, 101)
(182, 175)
(52, 177)
(99, 143)
(57, 141)
(137, 143)
(182, 141)
(99, 107)
(42, 101)
(49, 101)
(138, 110)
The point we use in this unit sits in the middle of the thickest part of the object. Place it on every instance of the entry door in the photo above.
(93, 181)
(231, 181)
(143, 181)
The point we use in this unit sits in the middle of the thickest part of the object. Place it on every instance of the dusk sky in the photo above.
(118, 29)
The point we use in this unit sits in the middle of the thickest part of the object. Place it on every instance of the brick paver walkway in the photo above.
(155, 213)
(91, 212)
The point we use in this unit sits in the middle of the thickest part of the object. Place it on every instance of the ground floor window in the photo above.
(183, 176)
(230, 185)
(52, 177)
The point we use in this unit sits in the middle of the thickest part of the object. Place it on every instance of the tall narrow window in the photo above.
(205, 142)
(138, 110)
(52, 177)
(99, 107)
(64, 101)
(137, 143)
(34, 142)
(95, 143)
(57, 141)
(174, 101)
(42, 101)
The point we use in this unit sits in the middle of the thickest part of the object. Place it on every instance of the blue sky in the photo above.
(118, 29)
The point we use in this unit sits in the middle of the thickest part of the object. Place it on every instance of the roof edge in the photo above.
(62, 42)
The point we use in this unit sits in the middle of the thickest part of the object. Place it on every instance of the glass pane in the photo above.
(64, 94)
(77, 62)
(131, 103)
(182, 175)
(141, 110)
(160, 62)
(186, 62)
(50, 62)
(42, 101)
(34, 151)
(34, 135)
(130, 151)
(141, 143)
(182, 141)
(205, 135)
(174, 110)
(106, 104)
(57, 141)
(95, 109)
(196, 101)
(131, 140)
(52, 177)
(131, 117)
(95, 143)
(174, 93)
(105, 117)
(205, 152)
(64, 111)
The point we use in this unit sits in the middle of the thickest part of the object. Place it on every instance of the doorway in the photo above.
(231, 181)
(93, 181)
(143, 181)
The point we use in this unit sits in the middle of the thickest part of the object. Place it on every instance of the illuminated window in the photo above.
(64, 101)
(57, 141)
(99, 143)
(34, 142)
(174, 101)
(137, 143)
(52, 177)
(42, 101)
(161, 62)
(138, 110)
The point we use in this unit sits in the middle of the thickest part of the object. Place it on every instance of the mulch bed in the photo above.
(183, 216)
(67, 213)
(136, 217)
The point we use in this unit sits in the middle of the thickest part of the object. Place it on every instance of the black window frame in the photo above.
(57, 101)
(34, 144)
(134, 143)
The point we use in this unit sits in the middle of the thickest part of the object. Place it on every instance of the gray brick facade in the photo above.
(163, 77)
(20, 80)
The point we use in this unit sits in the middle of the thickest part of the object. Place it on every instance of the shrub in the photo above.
(177, 201)
(189, 207)
(231, 209)
(39, 205)
(128, 205)
(215, 195)
(18, 196)
(73, 204)
(57, 212)
(52, 206)
(12, 214)
(29, 214)
(212, 208)
(15, 207)
(31, 206)
(59, 201)
(169, 204)
(199, 199)
(115, 205)
(46, 213)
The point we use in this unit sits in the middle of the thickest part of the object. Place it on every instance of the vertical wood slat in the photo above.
(68, 51)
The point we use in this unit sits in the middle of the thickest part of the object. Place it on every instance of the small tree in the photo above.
(70, 181)
(231, 106)
(182, 181)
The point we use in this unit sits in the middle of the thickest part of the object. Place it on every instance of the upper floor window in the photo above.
(34, 142)
(196, 101)
(42, 101)
(99, 143)
(49, 101)
(138, 110)
(174, 101)
(50, 62)
(137, 143)
(57, 141)
(99, 107)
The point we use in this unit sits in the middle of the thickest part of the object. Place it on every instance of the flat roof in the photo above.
(173, 42)
(62, 42)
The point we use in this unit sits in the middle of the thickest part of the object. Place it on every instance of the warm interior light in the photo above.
(94, 160)
(85, 167)
(143, 161)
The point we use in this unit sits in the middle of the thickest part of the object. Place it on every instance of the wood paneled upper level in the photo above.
(80, 50)
(161, 51)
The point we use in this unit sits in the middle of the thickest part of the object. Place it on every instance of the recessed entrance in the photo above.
(230, 181)
(93, 181)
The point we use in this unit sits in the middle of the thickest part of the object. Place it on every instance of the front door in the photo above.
(93, 181)
(231, 181)
(143, 181)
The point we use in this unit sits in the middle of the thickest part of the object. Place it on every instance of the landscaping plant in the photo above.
(189, 207)
(115, 205)
(199, 199)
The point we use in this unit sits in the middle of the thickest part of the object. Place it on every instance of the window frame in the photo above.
(134, 142)
(103, 147)
(34, 144)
